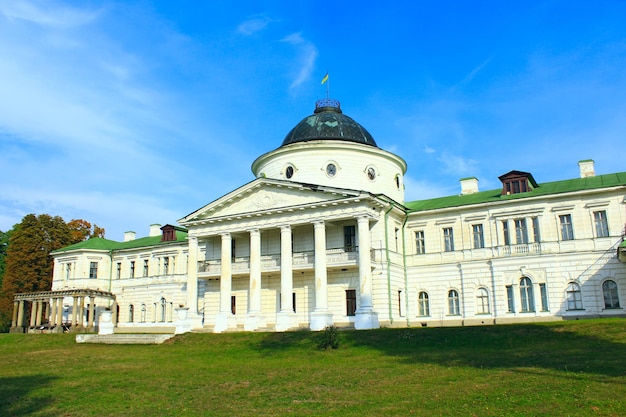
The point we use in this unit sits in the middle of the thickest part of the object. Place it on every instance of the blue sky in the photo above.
(127, 113)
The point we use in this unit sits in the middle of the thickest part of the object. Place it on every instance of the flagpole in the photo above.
(327, 87)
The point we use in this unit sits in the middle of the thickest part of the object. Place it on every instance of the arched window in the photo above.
(143, 313)
(131, 313)
(453, 303)
(526, 295)
(482, 301)
(574, 297)
(423, 305)
(163, 309)
(611, 298)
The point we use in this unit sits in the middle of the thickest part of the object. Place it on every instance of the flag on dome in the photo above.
(325, 78)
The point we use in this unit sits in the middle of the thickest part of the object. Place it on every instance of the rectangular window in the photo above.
(567, 230)
(505, 230)
(544, 297)
(132, 269)
(118, 273)
(145, 267)
(521, 234)
(350, 302)
(536, 232)
(233, 304)
(477, 233)
(349, 238)
(166, 265)
(68, 271)
(420, 244)
(93, 270)
(448, 239)
(396, 233)
(400, 304)
(602, 225)
(510, 298)
(293, 301)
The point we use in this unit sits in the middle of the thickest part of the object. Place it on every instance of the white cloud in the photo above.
(50, 15)
(454, 164)
(307, 56)
(421, 190)
(252, 26)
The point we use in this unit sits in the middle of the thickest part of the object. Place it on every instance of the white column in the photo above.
(192, 274)
(366, 317)
(53, 313)
(285, 317)
(224, 318)
(254, 318)
(321, 317)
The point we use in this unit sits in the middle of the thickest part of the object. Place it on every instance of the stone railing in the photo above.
(519, 250)
(305, 259)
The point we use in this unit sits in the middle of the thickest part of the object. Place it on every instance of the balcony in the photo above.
(336, 257)
(519, 250)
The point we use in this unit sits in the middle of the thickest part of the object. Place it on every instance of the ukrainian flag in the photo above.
(325, 78)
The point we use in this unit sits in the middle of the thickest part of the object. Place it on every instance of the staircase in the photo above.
(124, 339)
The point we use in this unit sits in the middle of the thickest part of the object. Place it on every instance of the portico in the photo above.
(47, 311)
(316, 248)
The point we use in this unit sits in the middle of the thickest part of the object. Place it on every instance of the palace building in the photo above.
(323, 236)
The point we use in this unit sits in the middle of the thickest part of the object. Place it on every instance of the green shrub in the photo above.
(329, 338)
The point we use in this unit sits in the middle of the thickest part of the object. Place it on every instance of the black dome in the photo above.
(329, 123)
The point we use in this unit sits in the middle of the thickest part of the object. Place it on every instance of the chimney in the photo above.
(128, 236)
(587, 168)
(155, 230)
(469, 185)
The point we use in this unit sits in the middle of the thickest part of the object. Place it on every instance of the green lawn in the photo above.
(560, 368)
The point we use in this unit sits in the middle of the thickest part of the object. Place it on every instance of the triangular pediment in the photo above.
(265, 195)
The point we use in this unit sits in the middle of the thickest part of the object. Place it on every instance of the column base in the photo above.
(285, 320)
(321, 320)
(223, 322)
(17, 329)
(366, 319)
(254, 321)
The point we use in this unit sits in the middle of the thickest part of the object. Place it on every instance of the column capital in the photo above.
(285, 228)
(254, 231)
(225, 235)
(319, 223)
(192, 238)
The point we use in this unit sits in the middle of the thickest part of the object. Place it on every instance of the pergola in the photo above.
(49, 304)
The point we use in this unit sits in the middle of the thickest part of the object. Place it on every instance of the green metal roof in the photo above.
(98, 243)
(543, 189)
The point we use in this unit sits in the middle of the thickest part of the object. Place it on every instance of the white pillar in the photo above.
(192, 274)
(225, 318)
(321, 317)
(366, 317)
(254, 319)
(285, 319)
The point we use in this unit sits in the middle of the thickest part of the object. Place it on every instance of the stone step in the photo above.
(124, 339)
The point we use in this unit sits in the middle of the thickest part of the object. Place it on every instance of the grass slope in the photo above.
(562, 368)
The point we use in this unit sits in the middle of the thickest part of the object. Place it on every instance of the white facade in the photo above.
(331, 241)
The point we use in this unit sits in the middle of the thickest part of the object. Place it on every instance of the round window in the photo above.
(371, 173)
(289, 172)
(331, 170)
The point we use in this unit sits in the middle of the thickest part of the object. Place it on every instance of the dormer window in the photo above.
(516, 182)
(169, 233)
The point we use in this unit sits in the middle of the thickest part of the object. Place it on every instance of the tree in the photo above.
(28, 262)
(4, 243)
(82, 230)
